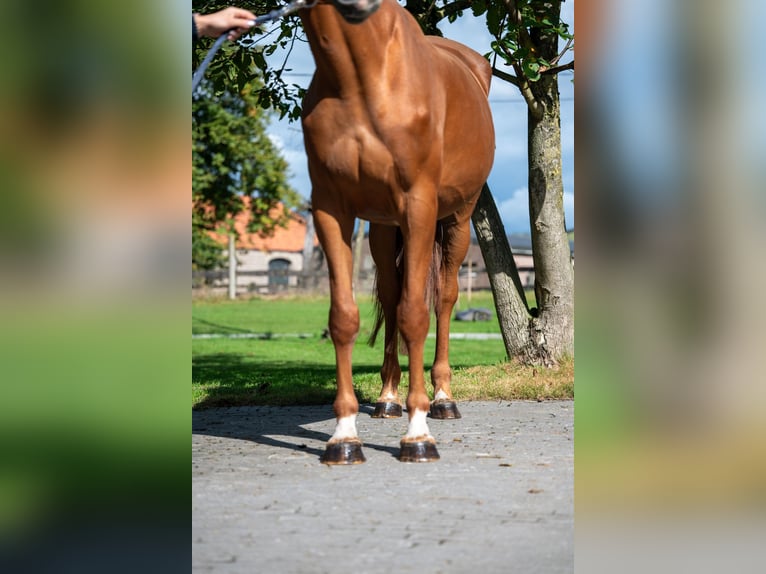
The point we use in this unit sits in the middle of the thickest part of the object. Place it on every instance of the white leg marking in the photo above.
(345, 429)
(389, 396)
(418, 426)
(441, 395)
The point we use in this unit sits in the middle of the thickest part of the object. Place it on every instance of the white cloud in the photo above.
(569, 210)
(276, 139)
(514, 211)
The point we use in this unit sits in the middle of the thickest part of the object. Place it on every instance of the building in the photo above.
(291, 258)
(271, 263)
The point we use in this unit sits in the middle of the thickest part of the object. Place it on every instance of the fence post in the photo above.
(357, 261)
(470, 278)
(232, 268)
(308, 251)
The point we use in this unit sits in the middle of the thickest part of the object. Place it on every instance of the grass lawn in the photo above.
(291, 370)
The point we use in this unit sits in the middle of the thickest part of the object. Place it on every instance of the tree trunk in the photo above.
(507, 291)
(552, 331)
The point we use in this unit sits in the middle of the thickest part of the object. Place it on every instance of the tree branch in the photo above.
(505, 76)
(522, 83)
(515, 16)
(513, 11)
(526, 92)
(557, 69)
(564, 51)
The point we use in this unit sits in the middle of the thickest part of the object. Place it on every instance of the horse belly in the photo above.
(468, 144)
(468, 151)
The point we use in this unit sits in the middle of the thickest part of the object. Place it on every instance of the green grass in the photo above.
(307, 315)
(289, 371)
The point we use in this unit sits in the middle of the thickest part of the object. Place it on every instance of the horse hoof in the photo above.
(343, 453)
(419, 451)
(445, 409)
(387, 411)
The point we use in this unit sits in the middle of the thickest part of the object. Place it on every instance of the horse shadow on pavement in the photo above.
(292, 428)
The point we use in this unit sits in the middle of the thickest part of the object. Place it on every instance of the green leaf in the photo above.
(531, 70)
(495, 15)
(478, 7)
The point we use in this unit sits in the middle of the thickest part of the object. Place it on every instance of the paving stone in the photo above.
(500, 499)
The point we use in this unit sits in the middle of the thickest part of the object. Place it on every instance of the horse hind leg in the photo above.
(385, 244)
(455, 240)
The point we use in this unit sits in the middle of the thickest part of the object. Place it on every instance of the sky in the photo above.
(508, 179)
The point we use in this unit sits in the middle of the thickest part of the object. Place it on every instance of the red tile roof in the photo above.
(289, 238)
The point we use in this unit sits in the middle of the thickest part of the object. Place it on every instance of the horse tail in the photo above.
(432, 287)
(379, 314)
(434, 274)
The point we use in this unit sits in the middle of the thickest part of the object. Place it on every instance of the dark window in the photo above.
(279, 274)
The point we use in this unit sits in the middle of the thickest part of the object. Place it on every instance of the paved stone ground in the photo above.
(499, 500)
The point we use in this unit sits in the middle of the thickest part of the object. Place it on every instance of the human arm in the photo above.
(238, 20)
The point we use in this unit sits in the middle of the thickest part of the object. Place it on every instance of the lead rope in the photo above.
(270, 17)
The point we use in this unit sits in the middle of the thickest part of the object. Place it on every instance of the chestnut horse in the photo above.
(398, 131)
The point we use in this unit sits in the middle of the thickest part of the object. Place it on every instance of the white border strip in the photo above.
(265, 336)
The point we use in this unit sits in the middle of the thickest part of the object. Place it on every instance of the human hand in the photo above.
(238, 20)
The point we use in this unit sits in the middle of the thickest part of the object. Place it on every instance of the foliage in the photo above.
(206, 252)
(515, 25)
(240, 63)
(521, 29)
(233, 159)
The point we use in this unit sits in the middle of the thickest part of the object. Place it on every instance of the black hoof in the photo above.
(343, 453)
(421, 451)
(387, 411)
(444, 409)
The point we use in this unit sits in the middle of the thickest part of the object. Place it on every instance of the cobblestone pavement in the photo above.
(499, 500)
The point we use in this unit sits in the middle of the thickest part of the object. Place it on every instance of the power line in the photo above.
(491, 101)
(520, 101)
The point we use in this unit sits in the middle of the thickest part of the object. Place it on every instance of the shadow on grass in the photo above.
(281, 397)
(231, 379)
(239, 380)
(217, 327)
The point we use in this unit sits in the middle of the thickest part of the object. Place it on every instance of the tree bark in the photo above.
(508, 293)
(552, 331)
(548, 334)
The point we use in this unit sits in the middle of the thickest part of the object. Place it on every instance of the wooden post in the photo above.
(232, 267)
(357, 263)
(470, 278)
(308, 250)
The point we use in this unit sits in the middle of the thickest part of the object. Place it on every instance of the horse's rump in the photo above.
(475, 62)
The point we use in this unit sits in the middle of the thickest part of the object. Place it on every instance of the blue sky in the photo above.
(508, 180)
